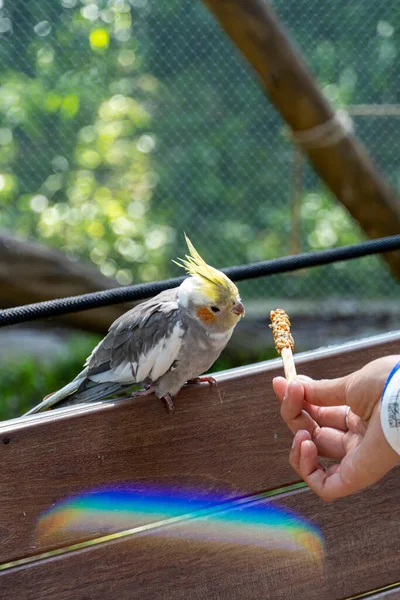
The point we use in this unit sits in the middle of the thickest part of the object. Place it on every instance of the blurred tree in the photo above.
(75, 136)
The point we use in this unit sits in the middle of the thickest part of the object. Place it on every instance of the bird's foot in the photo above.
(168, 400)
(204, 379)
(148, 389)
(169, 405)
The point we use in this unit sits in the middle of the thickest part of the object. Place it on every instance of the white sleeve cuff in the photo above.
(390, 409)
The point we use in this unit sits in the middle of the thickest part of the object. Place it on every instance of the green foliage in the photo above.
(124, 123)
(75, 136)
(24, 383)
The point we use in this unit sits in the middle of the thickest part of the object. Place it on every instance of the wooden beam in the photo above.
(196, 559)
(344, 166)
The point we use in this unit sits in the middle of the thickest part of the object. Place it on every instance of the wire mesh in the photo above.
(124, 123)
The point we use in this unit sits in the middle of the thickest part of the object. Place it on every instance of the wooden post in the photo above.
(343, 165)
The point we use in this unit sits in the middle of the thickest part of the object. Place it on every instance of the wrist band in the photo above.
(390, 409)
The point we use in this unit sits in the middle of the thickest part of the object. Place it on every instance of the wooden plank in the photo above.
(229, 439)
(362, 553)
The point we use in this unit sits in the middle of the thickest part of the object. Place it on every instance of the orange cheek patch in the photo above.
(205, 315)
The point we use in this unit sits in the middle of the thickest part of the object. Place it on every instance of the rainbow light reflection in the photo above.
(175, 513)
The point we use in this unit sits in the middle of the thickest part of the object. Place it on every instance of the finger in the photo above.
(292, 409)
(340, 480)
(329, 442)
(327, 484)
(329, 416)
(324, 416)
(304, 455)
(329, 439)
(308, 459)
(294, 457)
(280, 385)
(361, 467)
(361, 389)
(325, 392)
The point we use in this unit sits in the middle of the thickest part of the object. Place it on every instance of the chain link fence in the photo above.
(124, 123)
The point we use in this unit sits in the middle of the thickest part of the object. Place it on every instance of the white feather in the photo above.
(153, 364)
(184, 292)
(219, 340)
(191, 289)
(221, 336)
(157, 362)
(124, 373)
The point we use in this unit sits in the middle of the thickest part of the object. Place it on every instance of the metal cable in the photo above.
(62, 306)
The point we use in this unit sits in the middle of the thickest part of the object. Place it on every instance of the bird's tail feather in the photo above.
(80, 390)
(92, 391)
(56, 397)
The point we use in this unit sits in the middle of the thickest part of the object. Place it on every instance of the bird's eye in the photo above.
(215, 309)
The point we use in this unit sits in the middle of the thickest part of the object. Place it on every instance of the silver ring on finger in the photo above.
(347, 417)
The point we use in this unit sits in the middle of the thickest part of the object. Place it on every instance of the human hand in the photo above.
(315, 412)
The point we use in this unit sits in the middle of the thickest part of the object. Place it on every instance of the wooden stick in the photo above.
(284, 342)
(288, 364)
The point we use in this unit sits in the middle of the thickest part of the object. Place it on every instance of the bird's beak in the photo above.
(238, 309)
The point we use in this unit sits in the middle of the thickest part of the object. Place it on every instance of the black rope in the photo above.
(62, 306)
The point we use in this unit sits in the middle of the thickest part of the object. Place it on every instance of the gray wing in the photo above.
(142, 344)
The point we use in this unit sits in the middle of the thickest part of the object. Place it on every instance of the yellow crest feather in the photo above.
(216, 282)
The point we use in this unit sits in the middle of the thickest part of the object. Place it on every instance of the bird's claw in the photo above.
(167, 399)
(169, 404)
(146, 392)
(204, 379)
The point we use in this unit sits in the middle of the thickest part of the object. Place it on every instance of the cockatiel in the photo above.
(161, 343)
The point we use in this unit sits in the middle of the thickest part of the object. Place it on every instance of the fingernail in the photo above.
(294, 442)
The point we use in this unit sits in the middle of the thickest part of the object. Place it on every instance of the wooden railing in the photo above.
(226, 444)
